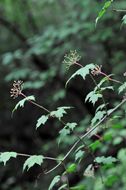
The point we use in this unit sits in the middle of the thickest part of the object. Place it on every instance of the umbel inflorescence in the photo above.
(16, 89)
(71, 58)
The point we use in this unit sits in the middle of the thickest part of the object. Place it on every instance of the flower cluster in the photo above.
(71, 58)
(96, 70)
(16, 89)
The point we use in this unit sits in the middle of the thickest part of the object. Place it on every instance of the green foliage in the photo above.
(98, 116)
(124, 19)
(93, 97)
(105, 160)
(79, 187)
(54, 182)
(62, 187)
(122, 155)
(22, 102)
(89, 171)
(37, 60)
(41, 121)
(63, 133)
(66, 131)
(5, 156)
(79, 155)
(111, 180)
(71, 168)
(122, 87)
(59, 113)
(103, 10)
(32, 160)
(83, 72)
(95, 145)
(71, 126)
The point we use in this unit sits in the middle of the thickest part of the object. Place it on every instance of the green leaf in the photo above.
(124, 19)
(111, 180)
(100, 107)
(122, 87)
(54, 181)
(102, 81)
(105, 160)
(63, 133)
(79, 148)
(93, 97)
(83, 72)
(62, 187)
(122, 155)
(117, 140)
(107, 87)
(94, 146)
(89, 171)
(107, 136)
(72, 168)
(41, 121)
(79, 155)
(5, 156)
(22, 102)
(59, 113)
(32, 160)
(103, 10)
(71, 125)
(98, 116)
(78, 187)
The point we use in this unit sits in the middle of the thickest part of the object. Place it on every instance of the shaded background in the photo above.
(34, 37)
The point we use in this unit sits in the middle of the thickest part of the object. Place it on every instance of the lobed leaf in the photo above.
(83, 72)
(59, 113)
(22, 102)
(5, 156)
(41, 121)
(93, 97)
(32, 160)
(63, 133)
(122, 87)
(98, 116)
(71, 125)
(105, 160)
(89, 171)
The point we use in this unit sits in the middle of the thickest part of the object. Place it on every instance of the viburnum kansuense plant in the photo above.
(80, 146)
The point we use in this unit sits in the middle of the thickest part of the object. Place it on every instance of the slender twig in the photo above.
(119, 10)
(38, 105)
(109, 78)
(87, 134)
(44, 157)
(79, 65)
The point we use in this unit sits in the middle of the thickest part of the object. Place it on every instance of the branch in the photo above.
(13, 28)
(28, 155)
(86, 134)
(119, 10)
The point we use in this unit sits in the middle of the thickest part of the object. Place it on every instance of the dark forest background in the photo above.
(34, 37)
